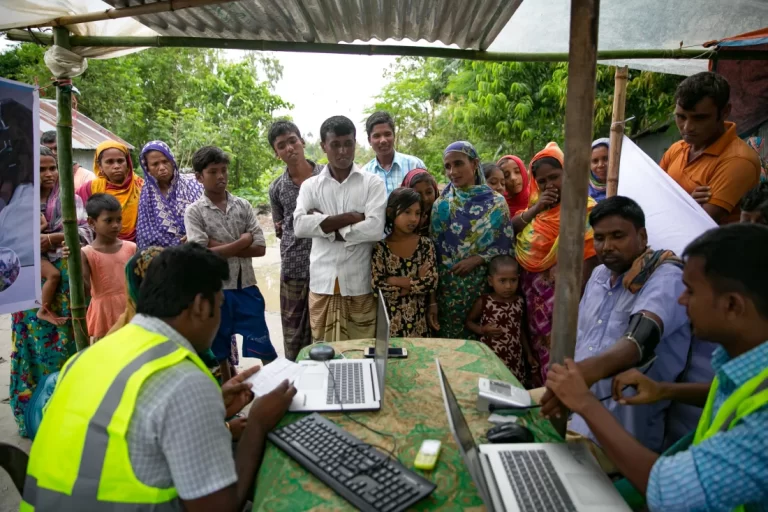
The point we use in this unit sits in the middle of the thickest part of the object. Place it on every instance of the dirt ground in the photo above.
(268, 276)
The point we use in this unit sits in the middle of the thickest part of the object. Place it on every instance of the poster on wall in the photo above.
(19, 199)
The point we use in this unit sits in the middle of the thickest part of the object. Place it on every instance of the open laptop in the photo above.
(531, 476)
(346, 384)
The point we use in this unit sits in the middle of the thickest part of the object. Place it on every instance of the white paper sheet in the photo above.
(271, 375)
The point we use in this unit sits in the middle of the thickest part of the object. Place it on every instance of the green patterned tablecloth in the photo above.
(413, 411)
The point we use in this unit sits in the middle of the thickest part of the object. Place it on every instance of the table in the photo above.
(413, 411)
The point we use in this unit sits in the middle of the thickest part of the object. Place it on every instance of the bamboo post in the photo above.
(617, 130)
(579, 114)
(67, 187)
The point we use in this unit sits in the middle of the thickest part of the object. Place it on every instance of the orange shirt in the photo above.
(729, 167)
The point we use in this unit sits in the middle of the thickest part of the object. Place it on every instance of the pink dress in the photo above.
(108, 295)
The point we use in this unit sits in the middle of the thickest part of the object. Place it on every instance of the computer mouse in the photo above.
(509, 433)
(322, 353)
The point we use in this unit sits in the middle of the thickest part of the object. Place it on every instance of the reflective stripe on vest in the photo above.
(746, 399)
(41, 493)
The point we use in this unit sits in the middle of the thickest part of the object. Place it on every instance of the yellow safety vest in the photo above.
(79, 460)
(748, 398)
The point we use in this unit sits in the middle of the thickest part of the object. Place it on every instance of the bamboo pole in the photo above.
(617, 130)
(369, 49)
(125, 12)
(579, 113)
(68, 210)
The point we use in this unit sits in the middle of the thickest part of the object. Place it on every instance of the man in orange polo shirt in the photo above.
(711, 162)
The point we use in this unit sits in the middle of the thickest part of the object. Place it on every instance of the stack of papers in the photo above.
(271, 375)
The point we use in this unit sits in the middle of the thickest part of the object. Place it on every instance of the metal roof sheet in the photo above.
(86, 133)
(467, 24)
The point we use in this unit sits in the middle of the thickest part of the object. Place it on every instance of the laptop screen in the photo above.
(381, 352)
(463, 436)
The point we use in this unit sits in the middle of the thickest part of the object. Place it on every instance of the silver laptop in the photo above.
(529, 476)
(346, 384)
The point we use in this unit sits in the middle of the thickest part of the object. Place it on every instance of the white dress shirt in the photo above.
(350, 260)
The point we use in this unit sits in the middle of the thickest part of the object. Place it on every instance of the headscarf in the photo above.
(55, 218)
(408, 182)
(597, 187)
(520, 201)
(127, 193)
(161, 219)
(756, 143)
(536, 248)
(470, 221)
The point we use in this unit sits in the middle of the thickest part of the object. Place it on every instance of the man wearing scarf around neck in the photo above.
(632, 278)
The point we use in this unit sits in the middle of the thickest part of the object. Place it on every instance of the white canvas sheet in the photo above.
(672, 217)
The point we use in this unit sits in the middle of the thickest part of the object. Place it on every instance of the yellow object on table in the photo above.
(413, 412)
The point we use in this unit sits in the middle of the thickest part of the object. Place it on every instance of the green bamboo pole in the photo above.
(67, 187)
(371, 49)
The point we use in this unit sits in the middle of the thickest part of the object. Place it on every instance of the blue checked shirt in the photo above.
(728, 469)
(401, 165)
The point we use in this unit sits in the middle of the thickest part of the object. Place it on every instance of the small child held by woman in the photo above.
(404, 268)
(104, 265)
(497, 318)
(52, 278)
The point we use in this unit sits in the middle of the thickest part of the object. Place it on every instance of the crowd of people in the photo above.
(476, 260)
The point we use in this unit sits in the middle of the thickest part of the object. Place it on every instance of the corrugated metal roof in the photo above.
(467, 24)
(86, 133)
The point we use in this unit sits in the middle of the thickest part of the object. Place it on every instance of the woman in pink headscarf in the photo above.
(516, 182)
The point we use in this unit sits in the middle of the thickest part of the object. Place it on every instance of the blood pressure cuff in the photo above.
(644, 332)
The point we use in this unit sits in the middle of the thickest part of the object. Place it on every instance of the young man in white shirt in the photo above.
(342, 209)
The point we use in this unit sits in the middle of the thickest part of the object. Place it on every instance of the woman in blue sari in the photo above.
(470, 225)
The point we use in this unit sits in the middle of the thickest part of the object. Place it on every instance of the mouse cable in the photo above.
(390, 454)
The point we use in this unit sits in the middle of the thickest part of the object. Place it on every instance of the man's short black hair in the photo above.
(703, 85)
(734, 261)
(281, 127)
(208, 155)
(48, 137)
(176, 276)
(337, 125)
(756, 200)
(500, 261)
(101, 202)
(379, 118)
(620, 206)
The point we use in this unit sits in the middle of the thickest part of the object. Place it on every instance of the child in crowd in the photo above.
(104, 264)
(227, 225)
(494, 177)
(52, 278)
(404, 267)
(497, 317)
(754, 205)
(424, 183)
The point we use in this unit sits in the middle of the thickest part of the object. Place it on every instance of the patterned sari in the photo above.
(470, 221)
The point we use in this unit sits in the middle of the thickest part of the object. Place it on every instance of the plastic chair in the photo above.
(14, 460)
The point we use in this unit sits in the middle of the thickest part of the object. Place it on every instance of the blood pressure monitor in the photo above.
(500, 393)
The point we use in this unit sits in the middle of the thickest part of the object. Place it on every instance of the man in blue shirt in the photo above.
(726, 467)
(389, 165)
(633, 279)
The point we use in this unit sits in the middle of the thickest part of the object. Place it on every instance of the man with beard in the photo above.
(285, 139)
(342, 210)
(631, 294)
(389, 165)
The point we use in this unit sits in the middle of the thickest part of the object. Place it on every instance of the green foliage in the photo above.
(186, 97)
(504, 107)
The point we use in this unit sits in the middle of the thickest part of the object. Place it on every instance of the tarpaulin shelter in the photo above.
(641, 33)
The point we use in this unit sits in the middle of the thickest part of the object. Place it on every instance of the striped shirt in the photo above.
(727, 469)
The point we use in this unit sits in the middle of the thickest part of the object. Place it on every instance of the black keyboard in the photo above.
(359, 473)
(535, 482)
(345, 382)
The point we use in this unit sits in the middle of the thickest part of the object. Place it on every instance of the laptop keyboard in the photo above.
(345, 382)
(535, 482)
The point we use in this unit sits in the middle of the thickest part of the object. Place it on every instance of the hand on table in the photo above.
(269, 409)
(648, 390)
(702, 194)
(236, 392)
(568, 385)
(551, 406)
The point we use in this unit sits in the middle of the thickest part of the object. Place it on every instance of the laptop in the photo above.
(346, 384)
(531, 476)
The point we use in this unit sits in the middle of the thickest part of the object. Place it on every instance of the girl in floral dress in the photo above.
(403, 266)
